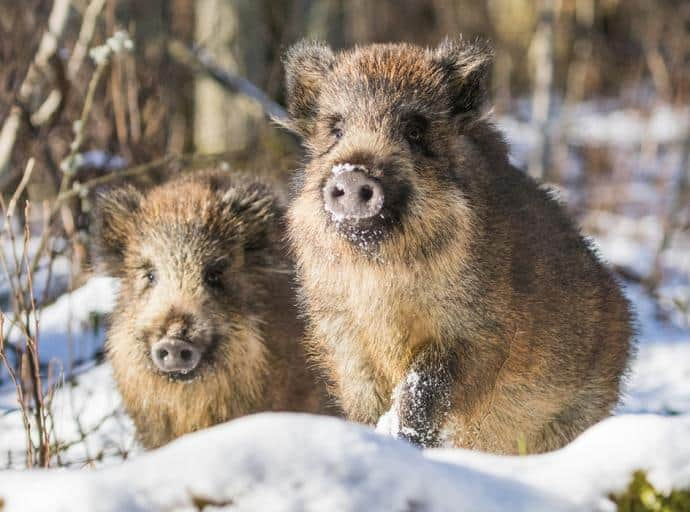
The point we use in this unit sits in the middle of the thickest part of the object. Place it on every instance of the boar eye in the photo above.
(213, 277)
(414, 133)
(149, 276)
(337, 129)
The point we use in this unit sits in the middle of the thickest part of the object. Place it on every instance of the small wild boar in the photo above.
(205, 328)
(443, 287)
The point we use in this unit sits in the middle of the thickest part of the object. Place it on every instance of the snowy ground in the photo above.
(290, 462)
(70, 329)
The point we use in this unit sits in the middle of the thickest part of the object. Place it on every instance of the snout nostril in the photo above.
(351, 193)
(173, 355)
(337, 192)
(366, 193)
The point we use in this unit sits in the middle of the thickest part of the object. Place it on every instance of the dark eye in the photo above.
(414, 134)
(416, 130)
(213, 277)
(337, 129)
(150, 276)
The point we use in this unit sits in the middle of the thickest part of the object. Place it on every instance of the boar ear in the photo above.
(306, 64)
(467, 66)
(254, 201)
(256, 205)
(114, 222)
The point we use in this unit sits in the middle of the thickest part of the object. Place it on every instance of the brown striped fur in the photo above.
(249, 328)
(473, 307)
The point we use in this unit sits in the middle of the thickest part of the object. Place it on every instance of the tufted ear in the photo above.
(467, 66)
(256, 206)
(114, 223)
(306, 64)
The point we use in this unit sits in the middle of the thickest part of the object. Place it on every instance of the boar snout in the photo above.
(175, 356)
(351, 194)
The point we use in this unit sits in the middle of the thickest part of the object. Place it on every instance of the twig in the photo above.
(88, 27)
(14, 275)
(132, 98)
(51, 109)
(192, 158)
(22, 185)
(199, 59)
(20, 393)
(79, 129)
(40, 415)
(26, 318)
(48, 46)
(57, 96)
(8, 137)
(114, 176)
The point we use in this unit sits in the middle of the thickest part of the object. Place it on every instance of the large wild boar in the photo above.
(443, 287)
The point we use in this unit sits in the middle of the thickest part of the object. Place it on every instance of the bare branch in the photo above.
(191, 158)
(20, 188)
(88, 27)
(200, 60)
(79, 129)
(47, 48)
(57, 96)
(20, 393)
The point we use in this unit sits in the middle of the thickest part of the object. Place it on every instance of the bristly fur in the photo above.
(477, 287)
(161, 244)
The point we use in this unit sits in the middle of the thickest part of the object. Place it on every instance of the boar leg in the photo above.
(423, 398)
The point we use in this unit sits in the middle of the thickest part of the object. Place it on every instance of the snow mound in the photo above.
(295, 462)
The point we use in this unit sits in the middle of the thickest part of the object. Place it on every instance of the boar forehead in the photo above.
(187, 233)
(192, 241)
(390, 78)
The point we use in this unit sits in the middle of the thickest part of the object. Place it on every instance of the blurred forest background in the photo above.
(593, 96)
(165, 96)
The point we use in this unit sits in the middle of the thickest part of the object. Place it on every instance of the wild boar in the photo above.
(205, 328)
(443, 287)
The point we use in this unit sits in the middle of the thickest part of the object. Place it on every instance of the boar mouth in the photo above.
(182, 376)
(363, 233)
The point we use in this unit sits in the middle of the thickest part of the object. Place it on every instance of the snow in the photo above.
(660, 377)
(102, 160)
(341, 168)
(389, 422)
(591, 123)
(70, 331)
(59, 271)
(88, 419)
(292, 462)
(599, 462)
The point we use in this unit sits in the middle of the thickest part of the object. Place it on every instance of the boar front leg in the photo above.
(421, 401)
(353, 383)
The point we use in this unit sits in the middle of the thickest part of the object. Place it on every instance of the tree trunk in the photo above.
(542, 52)
(231, 30)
